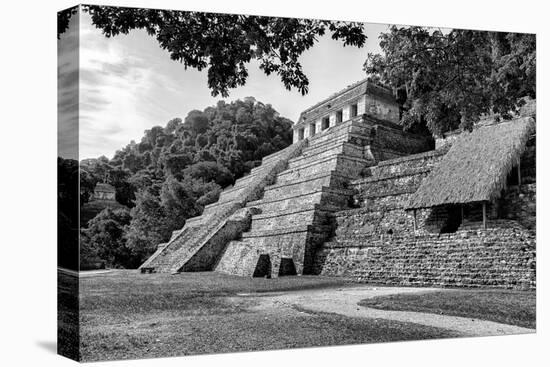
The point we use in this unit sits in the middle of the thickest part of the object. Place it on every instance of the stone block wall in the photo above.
(394, 177)
(366, 222)
(379, 107)
(239, 258)
(504, 256)
(389, 137)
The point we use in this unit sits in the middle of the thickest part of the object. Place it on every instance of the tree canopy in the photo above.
(224, 43)
(103, 240)
(449, 80)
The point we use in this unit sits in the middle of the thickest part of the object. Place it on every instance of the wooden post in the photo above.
(484, 215)
(415, 224)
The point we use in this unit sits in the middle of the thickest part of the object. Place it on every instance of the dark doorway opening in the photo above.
(325, 123)
(353, 110)
(513, 177)
(339, 116)
(454, 219)
(263, 267)
(311, 129)
(287, 267)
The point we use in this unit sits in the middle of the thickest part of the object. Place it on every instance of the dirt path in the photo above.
(344, 301)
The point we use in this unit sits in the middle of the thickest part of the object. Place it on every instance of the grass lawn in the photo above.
(507, 307)
(129, 315)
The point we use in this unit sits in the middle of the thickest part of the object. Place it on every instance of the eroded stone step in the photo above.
(339, 146)
(270, 158)
(324, 146)
(399, 165)
(305, 185)
(357, 140)
(179, 240)
(329, 164)
(325, 196)
(394, 175)
(314, 149)
(380, 243)
(344, 165)
(286, 218)
(283, 221)
(389, 193)
(383, 188)
(249, 179)
(211, 209)
(287, 230)
(355, 153)
(264, 167)
(231, 194)
(352, 128)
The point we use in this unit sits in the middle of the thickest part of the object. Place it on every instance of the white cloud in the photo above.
(114, 88)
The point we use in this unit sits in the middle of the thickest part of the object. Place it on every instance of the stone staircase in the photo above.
(196, 246)
(296, 209)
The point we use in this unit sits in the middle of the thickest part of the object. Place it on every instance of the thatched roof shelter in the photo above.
(476, 167)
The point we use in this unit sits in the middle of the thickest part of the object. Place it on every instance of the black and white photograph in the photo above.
(235, 183)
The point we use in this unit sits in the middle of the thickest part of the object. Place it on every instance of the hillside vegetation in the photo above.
(172, 173)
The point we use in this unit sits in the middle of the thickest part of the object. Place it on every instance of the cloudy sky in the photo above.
(129, 84)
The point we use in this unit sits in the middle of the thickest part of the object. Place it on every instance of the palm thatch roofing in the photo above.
(476, 167)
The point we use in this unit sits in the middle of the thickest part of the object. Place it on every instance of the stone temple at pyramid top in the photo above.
(361, 98)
